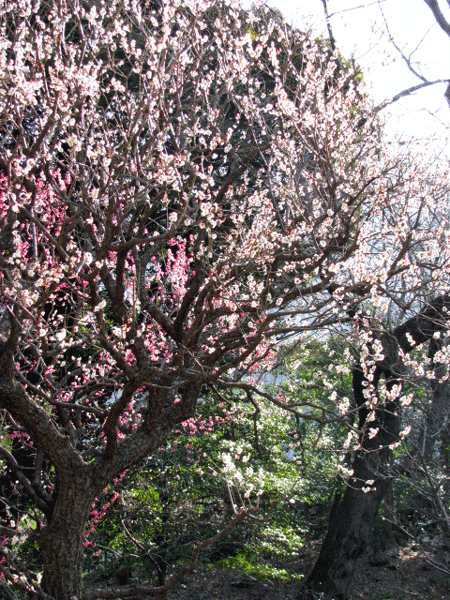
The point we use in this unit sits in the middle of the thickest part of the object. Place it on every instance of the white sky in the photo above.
(362, 33)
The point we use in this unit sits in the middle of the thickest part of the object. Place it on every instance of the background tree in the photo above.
(350, 526)
(371, 466)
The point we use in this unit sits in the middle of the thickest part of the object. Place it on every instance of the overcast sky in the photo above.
(360, 30)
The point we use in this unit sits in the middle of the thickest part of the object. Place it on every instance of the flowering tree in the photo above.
(182, 185)
(378, 382)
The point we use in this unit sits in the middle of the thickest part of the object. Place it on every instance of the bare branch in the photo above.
(438, 15)
(408, 92)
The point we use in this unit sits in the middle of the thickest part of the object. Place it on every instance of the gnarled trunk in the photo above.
(437, 415)
(353, 512)
(62, 541)
(349, 529)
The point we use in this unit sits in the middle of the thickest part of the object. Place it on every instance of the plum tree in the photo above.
(194, 183)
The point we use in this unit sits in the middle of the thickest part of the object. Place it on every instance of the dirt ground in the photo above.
(400, 574)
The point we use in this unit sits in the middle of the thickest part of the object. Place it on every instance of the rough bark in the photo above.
(388, 532)
(61, 542)
(353, 513)
(436, 417)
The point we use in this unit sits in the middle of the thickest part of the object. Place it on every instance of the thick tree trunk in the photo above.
(348, 534)
(436, 418)
(62, 541)
(353, 512)
(352, 516)
(389, 516)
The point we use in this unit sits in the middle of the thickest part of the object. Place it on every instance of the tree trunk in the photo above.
(389, 515)
(62, 541)
(353, 512)
(436, 417)
(349, 529)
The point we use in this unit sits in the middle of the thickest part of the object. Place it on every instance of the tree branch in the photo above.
(438, 15)
(38, 424)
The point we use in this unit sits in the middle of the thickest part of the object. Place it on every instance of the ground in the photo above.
(399, 574)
